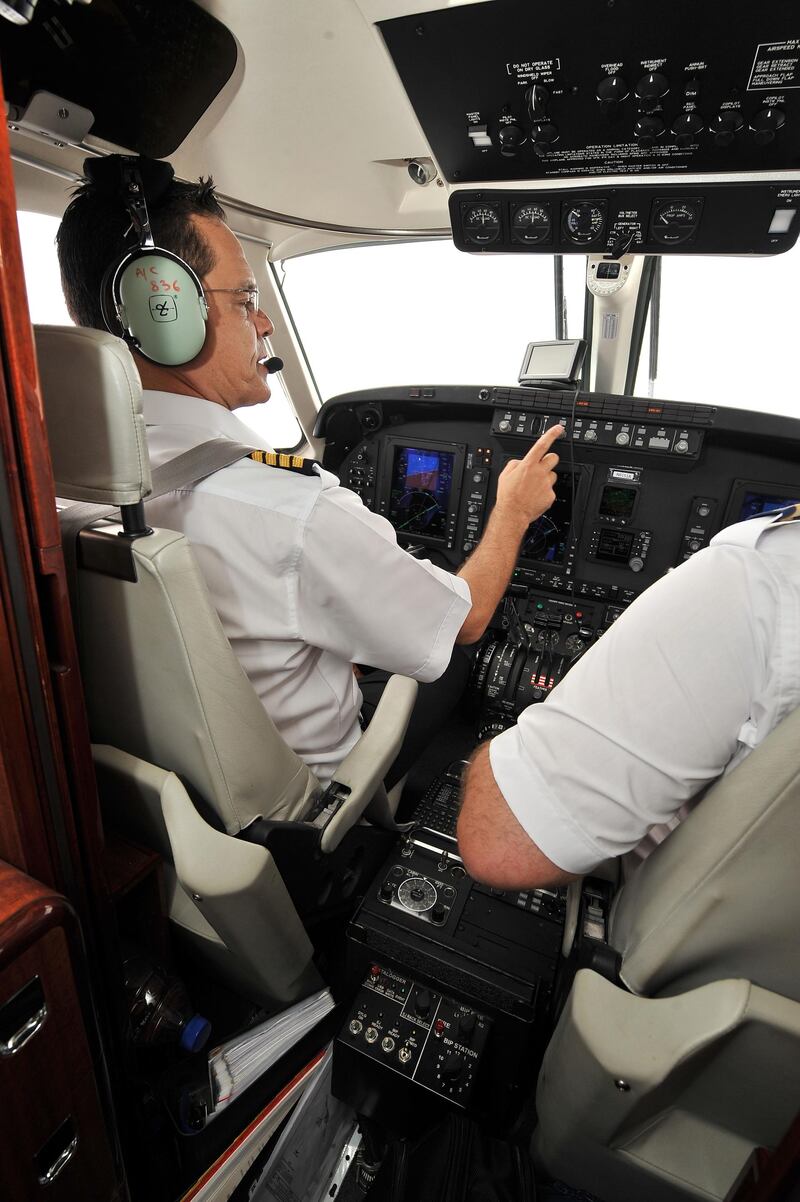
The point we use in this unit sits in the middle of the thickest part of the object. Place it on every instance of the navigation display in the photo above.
(419, 498)
(546, 540)
(755, 503)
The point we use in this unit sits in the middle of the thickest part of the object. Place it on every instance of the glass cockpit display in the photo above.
(547, 539)
(754, 504)
(421, 485)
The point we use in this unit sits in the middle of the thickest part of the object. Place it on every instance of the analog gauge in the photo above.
(546, 638)
(531, 224)
(584, 222)
(481, 224)
(675, 220)
(417, 894)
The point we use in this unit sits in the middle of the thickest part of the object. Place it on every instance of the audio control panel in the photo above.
(417, 1033)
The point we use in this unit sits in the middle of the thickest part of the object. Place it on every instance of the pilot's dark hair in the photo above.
(96, 232)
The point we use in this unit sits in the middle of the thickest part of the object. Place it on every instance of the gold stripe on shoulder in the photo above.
(290, 463)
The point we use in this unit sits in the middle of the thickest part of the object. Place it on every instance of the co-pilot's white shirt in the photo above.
(684, 685)
(305, 579)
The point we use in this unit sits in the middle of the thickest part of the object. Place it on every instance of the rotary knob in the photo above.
(622, 439)
(386, 891)
(651, 88)
(726, 126)
(687, 128)
(636, 563)
(766, 124)
(504, 425)
(452, 1067)
(647, 129)
(590, 436)
(466, 1026)
(422, 1002)
(438, 913)
(537, 97)
(543, 135)
(510, 137)
(610, 92)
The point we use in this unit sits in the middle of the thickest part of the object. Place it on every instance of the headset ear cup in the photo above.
(161, 304)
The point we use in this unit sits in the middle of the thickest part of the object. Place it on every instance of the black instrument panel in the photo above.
(642, 486)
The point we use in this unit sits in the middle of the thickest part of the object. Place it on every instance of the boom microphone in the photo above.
(272, 365)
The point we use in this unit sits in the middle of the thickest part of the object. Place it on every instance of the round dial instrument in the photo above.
(417, 894)
(584, 222)
(675, 220)
(531, 224)
(481, 224)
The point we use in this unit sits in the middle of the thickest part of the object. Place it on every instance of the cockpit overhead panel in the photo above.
(512, 90)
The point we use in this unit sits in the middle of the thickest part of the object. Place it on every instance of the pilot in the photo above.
(307, 581)
(690, 679)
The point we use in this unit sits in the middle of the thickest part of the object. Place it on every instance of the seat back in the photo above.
(666, 1091)
(721, 896)
(161, 680)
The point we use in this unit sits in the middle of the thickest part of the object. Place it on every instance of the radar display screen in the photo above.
(419, 500)
(546, 540)
(617, 502)
(756, 503)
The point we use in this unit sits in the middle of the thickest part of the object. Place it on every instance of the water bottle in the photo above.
(159, 1010)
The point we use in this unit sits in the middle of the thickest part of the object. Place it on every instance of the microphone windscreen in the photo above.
(274, 364)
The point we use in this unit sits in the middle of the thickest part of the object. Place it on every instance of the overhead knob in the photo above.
(766, 124)
(726, 126)
(538, 97)
(687, 127)
(651, 88)
(438, 913)
(544, 134)
(510, 137)
(452, 1067)
(386, 891)
(610, 91)
(647, 129)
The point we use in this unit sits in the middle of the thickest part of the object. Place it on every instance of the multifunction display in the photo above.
(756, 503)
(419, 489)
(547, 539)
(422, 483)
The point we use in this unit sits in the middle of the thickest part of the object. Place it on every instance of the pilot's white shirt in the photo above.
(684, 685)
(305, 579)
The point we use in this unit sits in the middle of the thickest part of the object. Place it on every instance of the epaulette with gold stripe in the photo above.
(790, 514)
(292, 463)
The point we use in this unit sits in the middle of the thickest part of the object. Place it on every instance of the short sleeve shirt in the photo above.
(305, 579)
(688, 680)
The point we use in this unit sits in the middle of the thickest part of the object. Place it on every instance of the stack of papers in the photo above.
(239, 1062)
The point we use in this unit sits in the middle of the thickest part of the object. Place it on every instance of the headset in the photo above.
(149, 296)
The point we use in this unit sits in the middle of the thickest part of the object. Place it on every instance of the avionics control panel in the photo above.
(642, 486)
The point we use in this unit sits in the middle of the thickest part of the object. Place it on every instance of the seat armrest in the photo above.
(362, 771)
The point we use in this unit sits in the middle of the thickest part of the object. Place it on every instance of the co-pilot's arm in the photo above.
(494, 847)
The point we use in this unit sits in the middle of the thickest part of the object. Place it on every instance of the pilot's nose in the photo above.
(264, 326)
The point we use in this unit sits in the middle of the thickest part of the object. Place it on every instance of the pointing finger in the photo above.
(544, 443)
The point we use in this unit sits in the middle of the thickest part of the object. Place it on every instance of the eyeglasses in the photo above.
(248, 295)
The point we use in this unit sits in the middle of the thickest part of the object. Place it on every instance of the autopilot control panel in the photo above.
(642, 486)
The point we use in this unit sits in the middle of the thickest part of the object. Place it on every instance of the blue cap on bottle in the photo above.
(194, 1035)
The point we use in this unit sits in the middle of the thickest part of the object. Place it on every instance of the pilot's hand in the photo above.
(526, 486)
